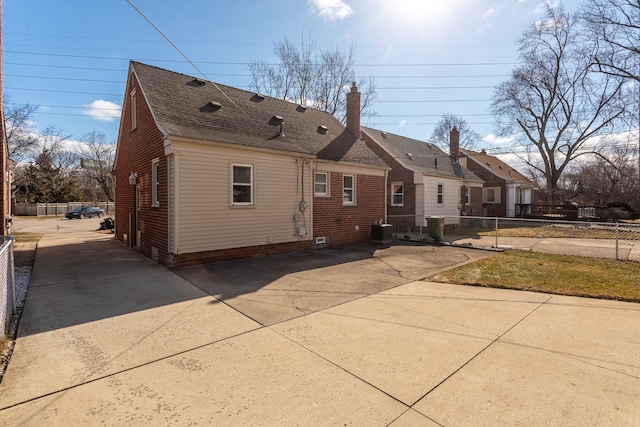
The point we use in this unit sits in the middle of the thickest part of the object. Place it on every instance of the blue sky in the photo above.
(428, 57)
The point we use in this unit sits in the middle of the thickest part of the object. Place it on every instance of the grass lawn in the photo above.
(26, 237)
(556, 274)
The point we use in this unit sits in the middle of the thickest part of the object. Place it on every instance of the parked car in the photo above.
(85, 212)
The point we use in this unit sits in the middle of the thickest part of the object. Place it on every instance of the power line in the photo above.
(62, 91)
(395, 65)
(120, 70)
(379, 88)
(63, 78)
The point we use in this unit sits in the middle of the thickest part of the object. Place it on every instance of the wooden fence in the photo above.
(56, 209)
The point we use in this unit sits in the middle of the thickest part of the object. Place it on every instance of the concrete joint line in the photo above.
(481, 351)
(113, 374)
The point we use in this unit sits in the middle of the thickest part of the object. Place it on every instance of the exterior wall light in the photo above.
(133, 178)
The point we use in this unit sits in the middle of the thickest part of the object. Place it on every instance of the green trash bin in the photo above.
(435, 226)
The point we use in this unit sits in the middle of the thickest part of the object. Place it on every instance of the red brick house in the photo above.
(424, 181)
(207, 172)
(506, 193)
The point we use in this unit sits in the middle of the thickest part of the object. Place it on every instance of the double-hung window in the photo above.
(491, 195)
(440, 194)
(132, 105)
(321, 184)
(467, 195)
(348, 190)
(242, 186)
(397, 194)
(155, 182)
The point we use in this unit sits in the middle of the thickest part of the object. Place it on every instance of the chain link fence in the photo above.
(7, 285)
(611, 240)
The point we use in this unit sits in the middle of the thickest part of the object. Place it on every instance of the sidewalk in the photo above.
(110, 338)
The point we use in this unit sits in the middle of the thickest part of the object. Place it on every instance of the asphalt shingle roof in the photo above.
(182, 106)
(420, 156)
(497, 167)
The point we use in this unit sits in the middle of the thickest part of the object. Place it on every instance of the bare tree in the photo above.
(310, 76)
(96, 160)
(469, 138)
(610, 177)
(554, 103)
(615, 27)
(52, 174)
(22, 137)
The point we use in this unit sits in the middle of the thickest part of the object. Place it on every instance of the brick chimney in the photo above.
(353, 111)
(454, 143)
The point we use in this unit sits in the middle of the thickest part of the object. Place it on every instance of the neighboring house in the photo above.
(207, 172)
(507, 193)
(424, 181)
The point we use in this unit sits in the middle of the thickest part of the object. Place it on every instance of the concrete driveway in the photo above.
(338, 337)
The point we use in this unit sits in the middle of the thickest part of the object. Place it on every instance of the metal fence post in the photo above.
(617, 234)
(496, 234)
(12, 278)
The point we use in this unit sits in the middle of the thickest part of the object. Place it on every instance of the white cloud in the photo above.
(498, 140)
(542, 6)
(402, 123)
(331, 9)
(492, 11)
(105, 111)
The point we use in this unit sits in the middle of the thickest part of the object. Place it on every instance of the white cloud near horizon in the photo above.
(331, 9)
(498, 140)
(102, 110)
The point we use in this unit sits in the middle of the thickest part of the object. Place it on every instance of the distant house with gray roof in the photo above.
(209, 172)
(424, 181)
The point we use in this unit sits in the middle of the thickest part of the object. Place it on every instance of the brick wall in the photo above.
(333, 219)
(490, 180)
(236, 253)
(136, 149)
(475, 207)
(399, 216)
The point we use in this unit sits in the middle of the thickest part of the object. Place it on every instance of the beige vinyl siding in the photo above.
(420, 206)
(451, 197)
(207, 221)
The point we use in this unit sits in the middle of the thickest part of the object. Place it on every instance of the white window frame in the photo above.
(467, 195)
(325, 183)
(394, 186)
(134, 113)
(440, 194)
(250, 184)
(352, 188)
(155, 182)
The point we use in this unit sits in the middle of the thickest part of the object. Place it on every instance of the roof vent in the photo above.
(277, 121)
(301, 108)
(384, 134)
(215, 105)
(322, 129)
(196, 83)
(409, 156)
(257, 97)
